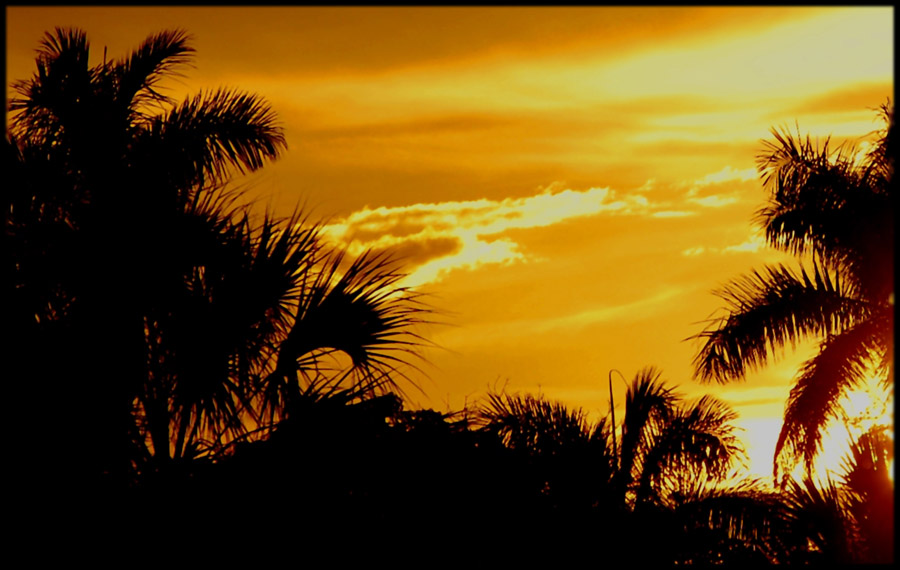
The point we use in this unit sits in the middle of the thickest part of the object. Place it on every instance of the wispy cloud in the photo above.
(727, 174)
(635, 309)
(720, 188)
(752, 244)
(439, 237)
(673, 214)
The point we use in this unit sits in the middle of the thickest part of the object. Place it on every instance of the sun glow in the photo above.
(864, 409)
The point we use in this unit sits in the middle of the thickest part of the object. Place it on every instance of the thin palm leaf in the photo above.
(771, 309)
(209, 134)
(747, 517)
(697, 441)
(842, 363)
(138, 75)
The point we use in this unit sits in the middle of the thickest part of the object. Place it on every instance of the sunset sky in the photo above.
(568, 185)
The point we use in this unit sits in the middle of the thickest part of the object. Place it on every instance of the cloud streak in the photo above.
(752, 244)
(439, 237)
(436, 238)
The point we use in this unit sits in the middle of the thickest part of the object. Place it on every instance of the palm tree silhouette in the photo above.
(870, 495)
(836, 211)
(666, 444)
(157, 317)
(651, 482)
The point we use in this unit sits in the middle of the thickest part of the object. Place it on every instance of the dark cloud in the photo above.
(414, 253)
(376, 226)
(429, 126)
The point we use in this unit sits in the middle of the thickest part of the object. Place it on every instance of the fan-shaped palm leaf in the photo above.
(820, 513)
(359, 311)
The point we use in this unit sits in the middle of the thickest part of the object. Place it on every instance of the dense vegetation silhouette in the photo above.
(155, 318)
(666, 475)
(188, 374)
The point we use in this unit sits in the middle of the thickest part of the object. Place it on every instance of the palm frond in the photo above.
(821, 514)
(648, 405)
(213, 132)
(842, 363)
(829, 203)
(158, 56)
(239, 302)
(696, 442)
(533, 424)
(55, 94)
(772, 309)
(746, 515)
(809, 188)
(880, 160)
(359, 311)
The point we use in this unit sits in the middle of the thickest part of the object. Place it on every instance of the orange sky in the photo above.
(568, 184)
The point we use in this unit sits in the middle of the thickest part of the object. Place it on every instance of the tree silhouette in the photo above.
(870, 495)
(836, 210)
(665, 478)
(155, 317)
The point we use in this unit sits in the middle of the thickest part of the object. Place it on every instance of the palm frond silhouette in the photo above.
(834, 209)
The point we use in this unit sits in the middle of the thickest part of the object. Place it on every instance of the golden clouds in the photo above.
(727, 174)
(433, 239)
(468, 234)
(708, 190)
(752, 244)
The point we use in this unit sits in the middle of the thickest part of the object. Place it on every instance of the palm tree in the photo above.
(155, 317)
(835, 209)
(666, 444)
(647, 482)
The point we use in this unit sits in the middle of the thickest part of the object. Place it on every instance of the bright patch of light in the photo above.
(755, 243)
(691, 251)
(673, 214)
(716, 201)
(864, 409)
(475, 225)
(727, 174)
